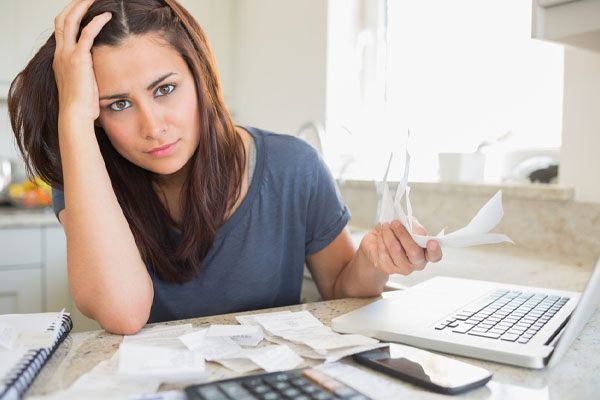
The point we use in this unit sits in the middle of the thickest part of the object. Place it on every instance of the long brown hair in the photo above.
(217, 166)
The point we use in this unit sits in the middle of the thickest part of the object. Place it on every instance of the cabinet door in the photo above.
(55, 255)
(20, 290)
(20, 247)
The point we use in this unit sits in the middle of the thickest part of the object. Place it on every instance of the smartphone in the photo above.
(424, 368)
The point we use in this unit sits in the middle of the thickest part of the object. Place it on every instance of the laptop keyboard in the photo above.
(507, 315)
(298, 384)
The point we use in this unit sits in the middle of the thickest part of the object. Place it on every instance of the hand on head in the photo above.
(73, 68)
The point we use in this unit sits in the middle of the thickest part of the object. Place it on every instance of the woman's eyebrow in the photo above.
(159, 80)
(149, 87)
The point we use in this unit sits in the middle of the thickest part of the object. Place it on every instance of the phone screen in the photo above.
(427, 368)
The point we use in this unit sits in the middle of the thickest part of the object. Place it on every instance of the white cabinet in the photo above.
(55, 269)
(573, 22)
(21, 270)
(33, 270)
(21, 290)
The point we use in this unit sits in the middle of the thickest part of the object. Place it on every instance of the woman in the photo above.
(170, 210)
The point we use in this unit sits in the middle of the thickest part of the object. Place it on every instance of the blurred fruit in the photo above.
(31, 193)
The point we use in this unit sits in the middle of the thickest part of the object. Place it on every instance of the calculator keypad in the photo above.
(299, 384)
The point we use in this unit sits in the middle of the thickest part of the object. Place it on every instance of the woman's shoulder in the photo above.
(283, 147)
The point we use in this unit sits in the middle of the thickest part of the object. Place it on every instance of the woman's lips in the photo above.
(162, 150)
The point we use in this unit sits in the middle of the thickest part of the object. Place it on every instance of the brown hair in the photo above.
(217, 166)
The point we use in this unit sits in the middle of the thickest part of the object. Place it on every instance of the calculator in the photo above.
(297, 384)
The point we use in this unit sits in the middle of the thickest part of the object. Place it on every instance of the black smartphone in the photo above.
(430, 370)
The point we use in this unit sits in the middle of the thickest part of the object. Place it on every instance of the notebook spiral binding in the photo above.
(19, 379)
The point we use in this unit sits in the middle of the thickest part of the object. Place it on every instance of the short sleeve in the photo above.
(58, 201)
(327, 213)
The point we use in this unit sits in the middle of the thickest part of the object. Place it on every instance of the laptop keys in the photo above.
(506, 315)
(463, 328)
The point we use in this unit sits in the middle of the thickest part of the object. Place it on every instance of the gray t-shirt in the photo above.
(292, 209)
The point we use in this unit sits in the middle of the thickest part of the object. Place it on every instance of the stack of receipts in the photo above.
(307, 336)
(158, 353)
(475, 233)
(221, 343)
(295, 334)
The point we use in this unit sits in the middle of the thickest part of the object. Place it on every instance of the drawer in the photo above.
(20, 246)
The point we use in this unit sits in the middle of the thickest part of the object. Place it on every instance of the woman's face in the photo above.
(148, 103)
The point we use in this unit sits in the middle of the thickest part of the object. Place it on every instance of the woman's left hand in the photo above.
(391, 249)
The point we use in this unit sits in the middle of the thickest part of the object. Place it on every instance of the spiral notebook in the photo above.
(27, 341)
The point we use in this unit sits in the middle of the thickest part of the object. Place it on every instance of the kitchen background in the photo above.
(351, 77)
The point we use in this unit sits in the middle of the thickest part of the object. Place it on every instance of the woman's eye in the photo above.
(164, 90)
(120, 105)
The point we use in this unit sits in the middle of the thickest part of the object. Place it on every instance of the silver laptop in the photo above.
(519, 325)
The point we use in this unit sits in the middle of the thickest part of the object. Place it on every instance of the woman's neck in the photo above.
(169, 188)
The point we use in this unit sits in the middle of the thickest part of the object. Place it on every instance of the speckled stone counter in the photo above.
(576, 377)
(12, 217)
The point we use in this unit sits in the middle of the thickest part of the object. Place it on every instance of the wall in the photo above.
(279, 55)
(580, 152)
(216, 19)
(24, 27)
(542, 220)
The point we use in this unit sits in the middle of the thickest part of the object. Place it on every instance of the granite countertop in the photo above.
(576, 377)
(14, 217)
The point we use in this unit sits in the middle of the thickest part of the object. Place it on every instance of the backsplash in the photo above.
(541, 219)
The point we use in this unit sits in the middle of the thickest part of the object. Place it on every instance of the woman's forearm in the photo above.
(108, 279)
(360, 278)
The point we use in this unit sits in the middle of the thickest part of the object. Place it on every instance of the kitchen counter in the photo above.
(576, 377)
(13, 217)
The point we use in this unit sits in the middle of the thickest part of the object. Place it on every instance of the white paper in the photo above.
(212, 348)
(103, 382)
(367, 383)
(323, 343)
(293, 320)
(224, 350)
(506, 391)
(35, 340)
(240, 365)
(251, 319)
(30, 331)
(8, 335)
(299, 348)
(165, 336)
(166, 395)
(166, 364)
(273, 358)
(336, 355)
(475, 233)
(244, 335)
(8, 360)
(308, 337)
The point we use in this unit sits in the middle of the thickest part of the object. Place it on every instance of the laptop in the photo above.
(512, 324)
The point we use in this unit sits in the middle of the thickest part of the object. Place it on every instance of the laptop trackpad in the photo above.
(429, 302)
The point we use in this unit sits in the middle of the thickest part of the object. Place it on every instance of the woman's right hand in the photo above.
(73, 67)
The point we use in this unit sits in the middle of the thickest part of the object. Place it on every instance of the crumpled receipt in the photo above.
(475, 233)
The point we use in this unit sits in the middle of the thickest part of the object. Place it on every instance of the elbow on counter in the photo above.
(124, 323)
(119, 319)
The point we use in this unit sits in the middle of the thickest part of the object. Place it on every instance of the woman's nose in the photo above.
(152, 123)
